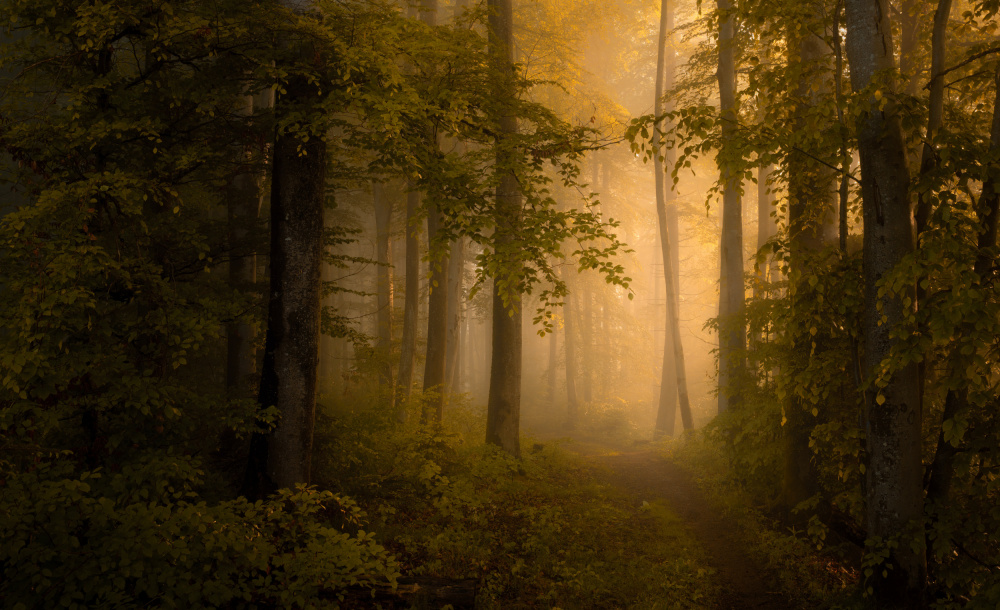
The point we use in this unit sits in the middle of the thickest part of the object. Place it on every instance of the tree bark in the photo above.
(384, 292)
(504, 406)
(935, 112)
(288, 377)
(553, 365)
(453, 358)
(894, 501)
(732, 327)
(572, 403)
(411, 308)
(432, 403)
(587, 341)
(673, 377)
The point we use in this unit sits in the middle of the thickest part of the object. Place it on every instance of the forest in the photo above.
(499, 304)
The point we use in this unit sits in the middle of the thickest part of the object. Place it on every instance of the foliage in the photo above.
(544, 531)
(815, 579)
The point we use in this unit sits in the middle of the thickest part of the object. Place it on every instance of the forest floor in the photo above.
(647, 476)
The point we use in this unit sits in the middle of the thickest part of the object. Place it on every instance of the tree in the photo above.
(894, 495)
(673, 378)
(732, 328)
(504, 407)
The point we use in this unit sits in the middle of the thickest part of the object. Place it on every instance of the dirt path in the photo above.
(744, 582)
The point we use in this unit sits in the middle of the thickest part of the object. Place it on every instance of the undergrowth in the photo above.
(540, 532)
(812, 572)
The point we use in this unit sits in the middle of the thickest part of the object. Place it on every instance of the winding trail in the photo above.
(744, 582)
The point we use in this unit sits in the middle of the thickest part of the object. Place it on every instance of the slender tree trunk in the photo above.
(384, 292)
(732, 327)
(894, 499)
(288, 378)
(928, 160)
(553, 365)
(666, 411)
(432, 403)
(587, 341)
(411, 305)
(910, 22)
(456, 265)
(572, 403)
(504, 407)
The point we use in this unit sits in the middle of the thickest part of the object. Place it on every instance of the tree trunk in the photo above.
(384, 292)
(432, 403)
(732, 327)
(288, 377)
(666, 411)
(894, 492)
(935, 113)
(504, 406)
(453, 358)
(411, 305)
(587, 341)
(572, 404)
(553, 364)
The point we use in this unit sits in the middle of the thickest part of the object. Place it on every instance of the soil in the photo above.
(745, 583)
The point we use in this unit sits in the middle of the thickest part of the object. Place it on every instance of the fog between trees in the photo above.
(281, 280)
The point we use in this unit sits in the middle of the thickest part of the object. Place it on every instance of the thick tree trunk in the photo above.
(384, 292)
(894, 491)
(732, 327)
(288, 378)
(504, 406)
(411, 305)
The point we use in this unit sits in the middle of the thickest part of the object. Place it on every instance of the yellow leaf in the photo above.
(880, 399)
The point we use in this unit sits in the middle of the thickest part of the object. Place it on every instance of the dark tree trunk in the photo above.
(384, 292)
(432, 403)
(894, 501)
(453, 358)
(732, 327)
(504, 406)
(673, 377)
(411, 304)
(288, 377)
